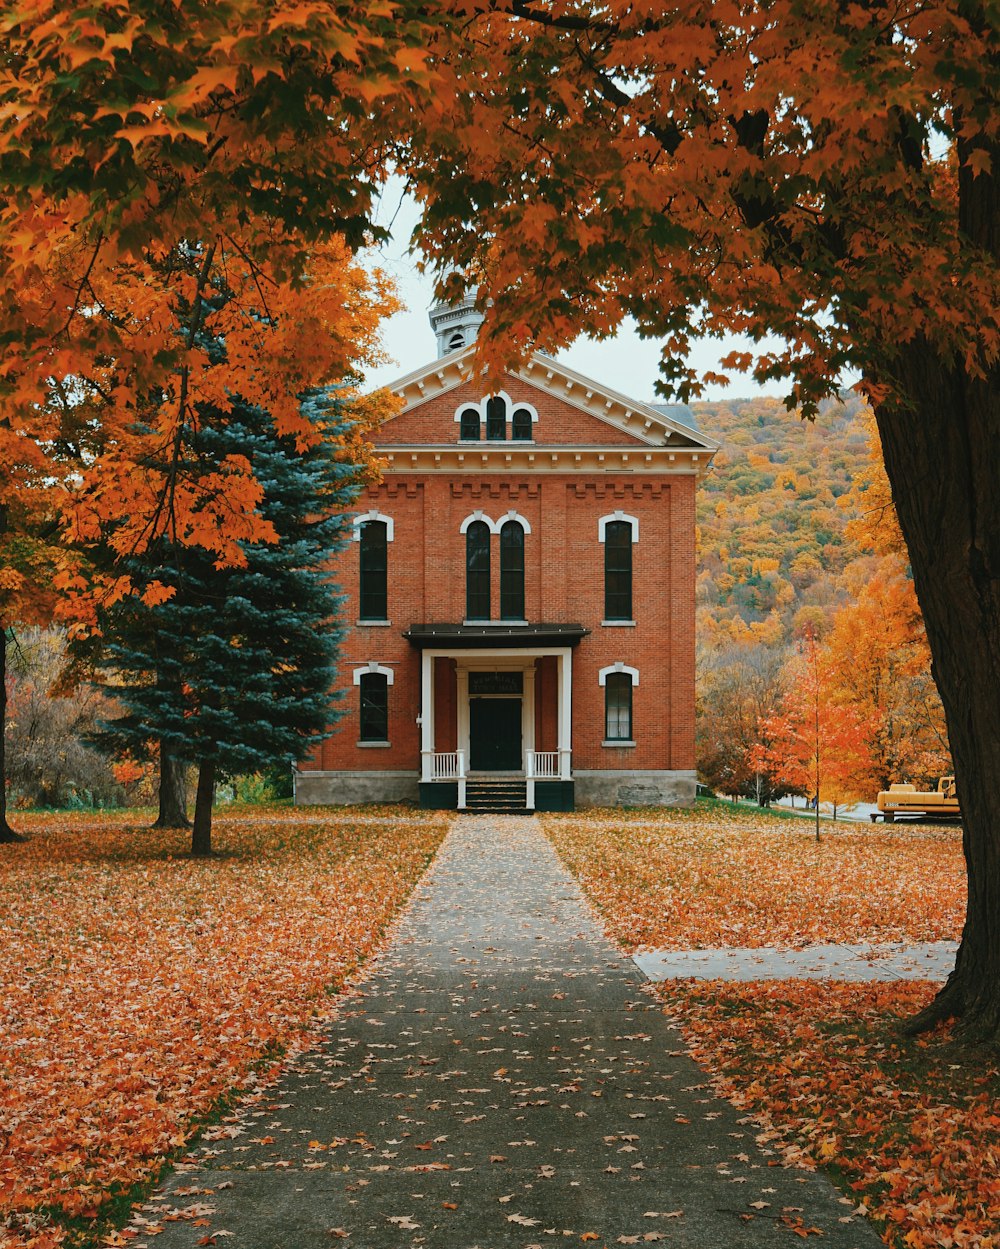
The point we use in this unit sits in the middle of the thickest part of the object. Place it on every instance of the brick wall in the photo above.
(564, 582)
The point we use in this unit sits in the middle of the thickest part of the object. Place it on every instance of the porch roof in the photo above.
(466, 636)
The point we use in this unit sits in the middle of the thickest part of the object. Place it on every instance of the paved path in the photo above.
(504, 1082)
(932, 960)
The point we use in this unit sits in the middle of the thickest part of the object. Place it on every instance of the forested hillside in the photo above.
(773, 511)
(806, 611)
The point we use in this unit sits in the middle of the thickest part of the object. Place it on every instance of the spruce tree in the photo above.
(235, 670)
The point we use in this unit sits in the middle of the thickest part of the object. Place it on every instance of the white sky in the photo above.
(626, 363)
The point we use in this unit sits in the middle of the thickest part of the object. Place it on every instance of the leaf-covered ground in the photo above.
(720, 875)
(910, 1127)
(139, 985)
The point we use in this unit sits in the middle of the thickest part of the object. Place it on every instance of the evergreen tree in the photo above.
(234, 670)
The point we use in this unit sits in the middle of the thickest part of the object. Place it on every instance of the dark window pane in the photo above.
(477, 571)
(373, 603)
(374, 707)
(618, 707)
(511, 571)
(496, 419)
(470, 425)
(521, 425)
(618, 570)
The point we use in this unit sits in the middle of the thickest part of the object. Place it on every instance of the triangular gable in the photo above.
(645, 423)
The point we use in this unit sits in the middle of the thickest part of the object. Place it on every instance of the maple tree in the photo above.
(814, 744)
(148, 159)
(823, 172)
(878, 665)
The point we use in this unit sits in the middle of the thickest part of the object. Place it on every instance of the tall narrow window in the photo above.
(618, 570)
(511, 571)
(618, 707)
(374, 565)
(496, 419)
(520, 426)
(470, 425)
(477, 571)
(374, 710)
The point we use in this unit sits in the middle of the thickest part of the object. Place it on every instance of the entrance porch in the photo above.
(496, 719)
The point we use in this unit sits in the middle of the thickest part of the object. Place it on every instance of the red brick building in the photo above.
(520, 596)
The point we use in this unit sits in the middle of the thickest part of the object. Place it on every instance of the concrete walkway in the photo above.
(931, 960)
(504, 1082)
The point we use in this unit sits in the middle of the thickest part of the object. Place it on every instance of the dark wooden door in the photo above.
(495, 734)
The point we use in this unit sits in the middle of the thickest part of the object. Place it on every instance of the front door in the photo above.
(495, 734)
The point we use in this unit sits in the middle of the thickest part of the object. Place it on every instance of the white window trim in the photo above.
(515, 516)
(478, 515)
(480, 407)
(527, 407)
(374, 515)
(604, 521)
(602, 676)
(373, 667)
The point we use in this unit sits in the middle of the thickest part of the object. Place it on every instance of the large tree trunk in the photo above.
(942, 455)
(173, 792)
(201, 831)
(7, 834)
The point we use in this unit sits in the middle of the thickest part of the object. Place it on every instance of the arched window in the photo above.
(618, 570)
(470, 426)
(496, 419)
(373, 595)
(520, 430)
(512, 571)
(457, 340)
(618, 707)
(477, 571)
(373, 713)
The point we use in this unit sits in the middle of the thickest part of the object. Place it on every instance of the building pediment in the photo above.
(659, 426)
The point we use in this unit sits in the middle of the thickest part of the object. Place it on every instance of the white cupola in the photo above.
(455, 325)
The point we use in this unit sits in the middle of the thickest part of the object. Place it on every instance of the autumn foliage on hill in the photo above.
(799, 551)
(216, 967)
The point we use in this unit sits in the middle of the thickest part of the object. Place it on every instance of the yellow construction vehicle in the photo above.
(908, 800)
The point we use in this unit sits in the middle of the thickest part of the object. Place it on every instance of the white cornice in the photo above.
(639, 420)
(505, 457)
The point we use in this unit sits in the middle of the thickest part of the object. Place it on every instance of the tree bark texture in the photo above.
(7, 834)
(201, 831)
(942, 456)
(173, 792)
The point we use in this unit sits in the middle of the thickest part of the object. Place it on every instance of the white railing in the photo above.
(448, 765)
(542, 765)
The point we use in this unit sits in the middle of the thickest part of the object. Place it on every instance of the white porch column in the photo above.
(426, 716)
(462, 711)
(565, 671)
(528, 710)
(528, 733)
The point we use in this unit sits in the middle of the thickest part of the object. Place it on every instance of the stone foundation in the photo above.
(635, 789)
(352, 788)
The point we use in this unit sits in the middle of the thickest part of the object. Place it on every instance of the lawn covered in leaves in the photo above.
(140, 985)
(720, 875)
(909, 1127)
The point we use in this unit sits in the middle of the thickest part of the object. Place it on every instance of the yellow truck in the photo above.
(908, 800)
